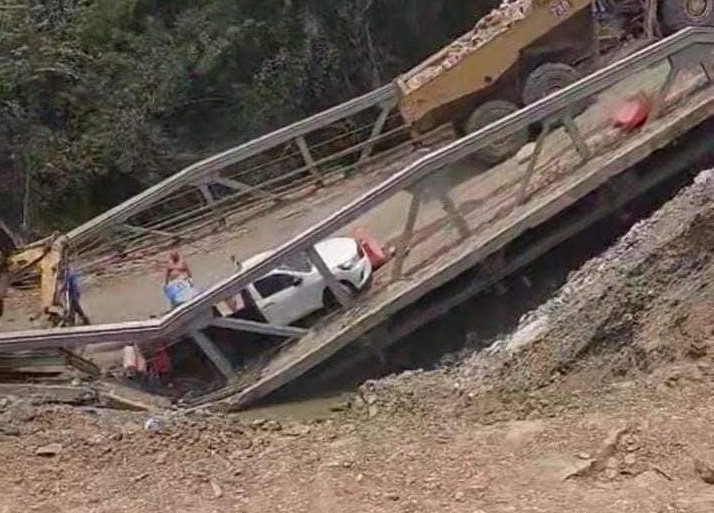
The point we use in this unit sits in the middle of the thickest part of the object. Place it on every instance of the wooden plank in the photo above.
(118, 396)
(343, 330)
(258, 327)
(213, 354)
(79, 363)
(50, 394)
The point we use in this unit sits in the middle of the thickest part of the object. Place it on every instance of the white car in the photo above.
(296, 289)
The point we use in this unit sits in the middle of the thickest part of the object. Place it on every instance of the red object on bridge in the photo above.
(633, 112)
(160, 363)
(371, 247)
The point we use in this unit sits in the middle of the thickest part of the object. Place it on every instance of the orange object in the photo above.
(633, 112)
(371, 247)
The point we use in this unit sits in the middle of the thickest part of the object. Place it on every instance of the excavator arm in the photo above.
(49, 258)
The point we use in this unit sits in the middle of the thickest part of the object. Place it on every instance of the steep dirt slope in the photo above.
(647, 301)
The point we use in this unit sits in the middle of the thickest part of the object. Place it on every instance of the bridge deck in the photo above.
(486, 202)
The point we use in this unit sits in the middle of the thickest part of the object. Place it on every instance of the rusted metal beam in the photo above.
(258, 327)
(406, 236)
(214, 354)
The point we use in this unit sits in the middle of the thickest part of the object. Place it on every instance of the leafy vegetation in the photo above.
(99, 98)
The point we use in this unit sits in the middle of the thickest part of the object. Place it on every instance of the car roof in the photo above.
(329, 249)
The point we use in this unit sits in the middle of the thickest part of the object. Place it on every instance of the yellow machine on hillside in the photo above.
(46, 255)
(518, 53)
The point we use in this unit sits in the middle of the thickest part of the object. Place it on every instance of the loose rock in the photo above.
(392, 496)
(704, 470)
(49, 450)
(272, 425)
(217, 491)
(9, 430)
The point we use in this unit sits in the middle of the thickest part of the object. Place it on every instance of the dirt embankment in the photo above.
(599, 403)
(647, 301)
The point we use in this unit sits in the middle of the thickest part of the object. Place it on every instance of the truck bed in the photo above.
(498, 21)
(487, 60)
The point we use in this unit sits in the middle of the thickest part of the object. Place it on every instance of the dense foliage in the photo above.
(99, 98)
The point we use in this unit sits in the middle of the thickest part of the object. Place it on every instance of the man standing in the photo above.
(70, 286)
(177, 268)
(178, 282)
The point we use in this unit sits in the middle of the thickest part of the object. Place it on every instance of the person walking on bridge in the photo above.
(70, 286)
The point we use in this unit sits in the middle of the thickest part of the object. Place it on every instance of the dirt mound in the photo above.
(645, 304)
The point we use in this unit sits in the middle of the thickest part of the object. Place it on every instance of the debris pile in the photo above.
(645, 306)
(496, 22)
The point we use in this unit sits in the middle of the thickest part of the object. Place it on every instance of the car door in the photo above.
(282, 297)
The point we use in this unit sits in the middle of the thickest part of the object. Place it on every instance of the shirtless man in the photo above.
(177, 268)
(178, 283)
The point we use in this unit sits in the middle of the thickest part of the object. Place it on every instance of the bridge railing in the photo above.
(432, 176)
(252, 177)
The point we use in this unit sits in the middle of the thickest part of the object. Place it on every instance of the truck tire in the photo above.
(484, 115)
(547, 79)
(675, 15)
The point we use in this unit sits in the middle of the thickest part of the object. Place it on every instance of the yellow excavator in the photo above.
(47, 256)
(519, 52)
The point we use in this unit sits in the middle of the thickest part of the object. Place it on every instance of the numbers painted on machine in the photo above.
(560, 7)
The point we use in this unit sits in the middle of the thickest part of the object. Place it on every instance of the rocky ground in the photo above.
(599, 402)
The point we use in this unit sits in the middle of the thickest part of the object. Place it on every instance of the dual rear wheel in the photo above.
(541, 82)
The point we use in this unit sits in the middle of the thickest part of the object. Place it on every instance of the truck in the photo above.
(520, 52)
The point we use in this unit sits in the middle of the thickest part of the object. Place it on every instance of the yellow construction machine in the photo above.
(522, 51)
(47, 257)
